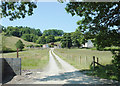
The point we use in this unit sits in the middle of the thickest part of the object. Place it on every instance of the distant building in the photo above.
(88, 44)
(45, 46)
(59, 46)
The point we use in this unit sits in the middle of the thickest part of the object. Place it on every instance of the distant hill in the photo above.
(10, 42)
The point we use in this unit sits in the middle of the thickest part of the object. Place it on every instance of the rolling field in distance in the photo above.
(10, 42)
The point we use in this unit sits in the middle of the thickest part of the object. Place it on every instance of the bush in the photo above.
(112, 48)
(41, 45)
(7, 50)
(30, 45)
(36, 45)
(19, 45)
(49, 45)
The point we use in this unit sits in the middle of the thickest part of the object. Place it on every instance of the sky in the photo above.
(47, 15)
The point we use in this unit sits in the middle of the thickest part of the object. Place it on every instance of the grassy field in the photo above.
(82, 58)
(31, 59)
(10, 42)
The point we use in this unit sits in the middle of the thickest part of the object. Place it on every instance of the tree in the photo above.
(54, 32)
(41, 40)
(19, 44)
(96, 16)
(17, 10)
(38, 32)
(20, 31)
(76, 38)
(12, 31)
(50, 38)
(101, 19)
(58, 38)
(29, 37)
(95, 13)
(66, 40)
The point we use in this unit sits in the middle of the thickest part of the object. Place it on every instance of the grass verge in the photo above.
(31, 59)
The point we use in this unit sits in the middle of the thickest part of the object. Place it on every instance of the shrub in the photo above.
(19, 45)
(36, 45)
(30, 45)
(7, 50)
(41, 45)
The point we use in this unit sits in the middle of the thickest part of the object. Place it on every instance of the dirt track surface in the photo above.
(57, 72)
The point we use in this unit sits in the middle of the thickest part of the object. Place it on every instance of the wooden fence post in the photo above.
(93, 62)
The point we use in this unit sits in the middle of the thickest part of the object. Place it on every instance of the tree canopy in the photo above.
(95, 14)
(19, 44)
(101, 20)
(66, 40)
(41, 40)
(50, 38)
(20, 31)
(17, 10)
(54, 32)
(97, 17)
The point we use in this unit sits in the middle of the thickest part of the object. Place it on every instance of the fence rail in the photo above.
(94, 62)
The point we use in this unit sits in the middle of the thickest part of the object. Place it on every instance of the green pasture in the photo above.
(32, 58)
(82, 58)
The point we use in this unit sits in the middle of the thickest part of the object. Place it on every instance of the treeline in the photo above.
(33, 35)
(100, 40)
(53, 32)
(20, 31)
(73, 39)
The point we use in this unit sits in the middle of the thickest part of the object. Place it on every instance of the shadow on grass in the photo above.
(10, 51)
(106, 72)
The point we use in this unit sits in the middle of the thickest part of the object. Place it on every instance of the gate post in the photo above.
(93, 62)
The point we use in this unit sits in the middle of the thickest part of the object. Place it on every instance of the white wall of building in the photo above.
(88, 44)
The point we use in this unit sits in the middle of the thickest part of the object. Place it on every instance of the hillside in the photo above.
(10, 42)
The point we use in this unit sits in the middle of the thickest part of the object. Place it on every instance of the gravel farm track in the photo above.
(57, 72)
